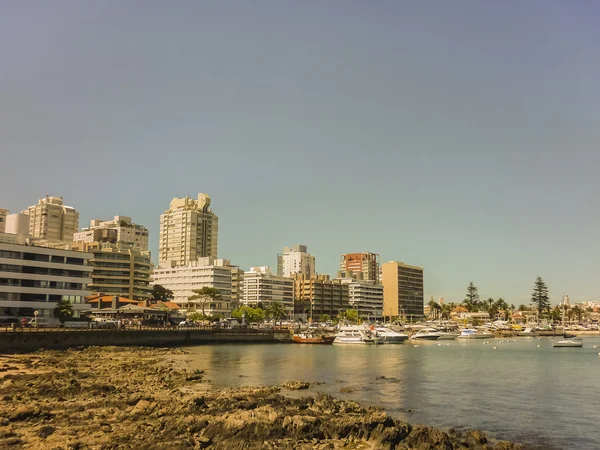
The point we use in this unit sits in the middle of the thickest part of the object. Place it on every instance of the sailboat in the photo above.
(567, 341)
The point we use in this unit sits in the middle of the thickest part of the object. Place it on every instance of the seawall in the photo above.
(31, 340)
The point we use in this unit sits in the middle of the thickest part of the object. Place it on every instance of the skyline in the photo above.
(458, 137)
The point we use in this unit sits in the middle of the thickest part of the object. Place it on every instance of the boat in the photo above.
(311, 338)
(356, 335)
(390, 336)
(530, 331)
(426, 334)
(470, 333)
(567, 340)
(448, 335)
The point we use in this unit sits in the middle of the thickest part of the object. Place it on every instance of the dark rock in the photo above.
(296, 385)
(46, 431)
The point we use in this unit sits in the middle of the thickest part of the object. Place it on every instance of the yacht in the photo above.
(448, 335)
(355, 335)
(428, 334)
(390, 336)
(530, 331)
(568, 342)
(470, 333)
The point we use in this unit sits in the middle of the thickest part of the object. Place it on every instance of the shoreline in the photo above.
(133, 397)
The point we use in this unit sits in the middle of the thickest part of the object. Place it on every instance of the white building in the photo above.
(188, 230)
(366, 297)
(295, 260)
(3, 214)
(34, 278)
(128, 233)
(184, 279)
(17, 223)
(260, 285)
(52, 220)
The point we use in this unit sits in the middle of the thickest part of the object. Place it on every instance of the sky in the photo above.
(459, 136)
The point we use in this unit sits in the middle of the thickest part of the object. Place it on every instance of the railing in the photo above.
(132, 328)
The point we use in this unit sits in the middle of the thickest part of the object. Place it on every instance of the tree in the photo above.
(472, 299)
(324, 318)
(539, 297)
(556, 314)
(577, 312)
(276, 311)
(501, 305)
(351, 315)
(206, 294)
(161, 294)
(64, 310)
(251, 314)
(434, 309)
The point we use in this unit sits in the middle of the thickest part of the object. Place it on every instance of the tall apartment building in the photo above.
(3, 214)
(52, 220)
(318, 295)
(295, 260)
(128, 233)
(403, 289)
(366, 297)
(184, 279)
(361, 266)
(188, 230)
(261, 285)
(118, 269)
(36, 278)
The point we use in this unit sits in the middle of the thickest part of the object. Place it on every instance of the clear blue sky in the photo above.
(462, 136)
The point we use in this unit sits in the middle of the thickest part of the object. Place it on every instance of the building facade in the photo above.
(52, 220)
(188, 231)
(17, 223)
(318, 295)
(34, 278)
(119, 270)
(366, 297)
(361, 266)
(127, 232)
(262, 286)
(3, 214)
(204, 272)
(295, 260)
(403, 290)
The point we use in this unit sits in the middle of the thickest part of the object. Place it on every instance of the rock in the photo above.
(46, 431)
(296, 385)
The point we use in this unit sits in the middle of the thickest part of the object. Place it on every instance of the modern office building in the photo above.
(366, 297)
(34, 278)
(193, 275)
(403, 290)
(52, 220)
(361, 266)
(127, 232)
(188, 231)
(118, 269)
(3, 214)
(262, 286)
(295, 260)
(318, 295)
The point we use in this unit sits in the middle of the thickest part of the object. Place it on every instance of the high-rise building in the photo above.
(295, 260)
(366, 297)
(128, 233)
(17, 223)
(52, 220)
(361, 266)
(34, 278)
(118, 269)
(193, 275)
(318, 295)
(3, 214)
(188, 230)
(262, 286)
(403, 289)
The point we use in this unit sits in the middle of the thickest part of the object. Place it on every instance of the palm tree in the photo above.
(204, 295)
(276, 311)
(433, 309)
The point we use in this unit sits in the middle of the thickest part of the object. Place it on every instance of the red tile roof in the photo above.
(109, 299)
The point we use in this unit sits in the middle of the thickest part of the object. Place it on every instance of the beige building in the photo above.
(118, 269)
(402, 290)
(17, 223)
(52, 220)
(366, 297)
(262, 286)
(188, 231)
(295, 260)
(193, 275)
(318, 295)
(128, 233)
(3, 214)
(360, 266)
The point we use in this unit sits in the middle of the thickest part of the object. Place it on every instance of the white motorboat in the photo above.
(530, 331)
(390, 336)
(426, 334)
(355, 335)
(448, 335)
(470, 333)
(566, 341)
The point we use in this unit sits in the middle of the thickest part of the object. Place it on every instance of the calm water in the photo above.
(542, 396)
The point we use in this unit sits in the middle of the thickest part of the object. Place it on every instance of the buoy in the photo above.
(439, 344)
(447, 344)
(494, 348)
(539, 346)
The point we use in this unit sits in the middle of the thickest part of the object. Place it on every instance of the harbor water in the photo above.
(518, 389)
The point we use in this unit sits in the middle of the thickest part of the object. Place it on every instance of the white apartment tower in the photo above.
(188, 230)
(128, 233)
(262, 286)
(295, 260)
(52, 220)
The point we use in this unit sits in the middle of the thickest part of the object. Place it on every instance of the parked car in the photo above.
(186, 323)
(106, 324)
(9, 321)
(44, 322)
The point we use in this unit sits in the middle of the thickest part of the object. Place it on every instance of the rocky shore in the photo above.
(115, 397)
